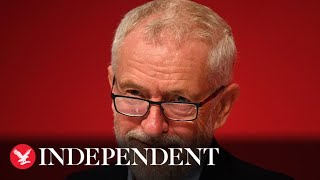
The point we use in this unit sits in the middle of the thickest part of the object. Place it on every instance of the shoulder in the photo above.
(250, 171)
(102, 172)
(230, 167)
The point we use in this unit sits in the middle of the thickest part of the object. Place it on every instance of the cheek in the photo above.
(188, 131)
(198, 132)
(124, 124)
(207, 117)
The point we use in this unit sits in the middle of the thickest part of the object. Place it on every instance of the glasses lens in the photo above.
(180, 111)
(131, 107)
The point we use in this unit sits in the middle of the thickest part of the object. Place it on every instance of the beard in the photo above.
(136, 138)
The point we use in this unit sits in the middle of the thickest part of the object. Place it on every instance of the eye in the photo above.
(133, 92)
(182, 99)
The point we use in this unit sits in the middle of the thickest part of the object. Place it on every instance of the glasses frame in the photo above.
(159, 103)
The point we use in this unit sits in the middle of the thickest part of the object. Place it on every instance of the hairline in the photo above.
(215, 46)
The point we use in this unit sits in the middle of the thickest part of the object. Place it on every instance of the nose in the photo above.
(154, 123)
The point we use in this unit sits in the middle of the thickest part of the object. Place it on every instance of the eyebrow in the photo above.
(192, 97)
(130, 84)
(176, 92)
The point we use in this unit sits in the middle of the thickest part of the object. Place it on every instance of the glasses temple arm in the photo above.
(211, 96)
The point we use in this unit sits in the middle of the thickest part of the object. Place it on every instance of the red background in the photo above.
(54, 56)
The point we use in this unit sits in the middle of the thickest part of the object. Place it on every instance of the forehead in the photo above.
(165, 65)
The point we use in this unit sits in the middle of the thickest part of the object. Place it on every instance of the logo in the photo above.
(22, 156)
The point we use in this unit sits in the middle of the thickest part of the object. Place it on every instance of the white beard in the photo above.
(141, 171)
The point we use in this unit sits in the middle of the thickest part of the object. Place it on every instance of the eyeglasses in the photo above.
(176, 111)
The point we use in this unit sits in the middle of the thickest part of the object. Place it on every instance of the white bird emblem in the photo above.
(22, 158)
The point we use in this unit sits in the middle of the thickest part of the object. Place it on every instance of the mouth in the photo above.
(137, 143)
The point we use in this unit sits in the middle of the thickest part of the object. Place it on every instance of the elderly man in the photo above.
(171, 80)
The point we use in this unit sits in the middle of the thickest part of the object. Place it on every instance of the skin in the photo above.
(167, 72)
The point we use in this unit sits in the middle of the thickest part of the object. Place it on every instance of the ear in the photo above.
(110, 75)
(228, 97)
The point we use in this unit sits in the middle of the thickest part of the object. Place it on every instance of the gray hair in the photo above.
(184, 19)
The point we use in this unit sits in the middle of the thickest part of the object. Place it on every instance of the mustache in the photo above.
(164, 141)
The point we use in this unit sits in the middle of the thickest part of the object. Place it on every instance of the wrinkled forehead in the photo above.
(167, 62)
(164, 52)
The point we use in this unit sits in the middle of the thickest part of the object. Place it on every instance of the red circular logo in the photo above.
(22, 156)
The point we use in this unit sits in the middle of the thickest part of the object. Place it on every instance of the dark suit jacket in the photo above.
(227, 167)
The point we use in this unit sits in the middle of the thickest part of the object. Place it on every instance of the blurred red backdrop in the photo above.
(54, 57)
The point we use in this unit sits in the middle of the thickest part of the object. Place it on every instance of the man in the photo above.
(171, 80)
